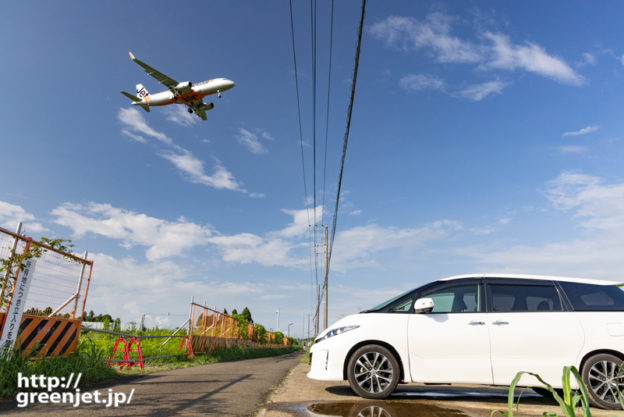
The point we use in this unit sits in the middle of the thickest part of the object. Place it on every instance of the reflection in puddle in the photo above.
(381, 409)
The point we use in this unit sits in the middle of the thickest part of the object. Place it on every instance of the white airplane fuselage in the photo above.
(196, 92)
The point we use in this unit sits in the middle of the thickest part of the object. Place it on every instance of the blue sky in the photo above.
(486, 136)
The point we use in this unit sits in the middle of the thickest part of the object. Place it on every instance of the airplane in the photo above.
(179, 92)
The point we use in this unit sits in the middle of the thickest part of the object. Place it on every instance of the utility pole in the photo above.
(325, 284)
(316, 316)
(308, 325)
(277, 327)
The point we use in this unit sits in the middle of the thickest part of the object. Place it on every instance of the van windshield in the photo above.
(388, 302)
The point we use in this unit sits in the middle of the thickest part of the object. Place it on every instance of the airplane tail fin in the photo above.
(136, 101)
(142, 91)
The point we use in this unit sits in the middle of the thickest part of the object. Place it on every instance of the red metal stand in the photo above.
(138, 350)
(126, 361)
(186, 340)
(125, 355)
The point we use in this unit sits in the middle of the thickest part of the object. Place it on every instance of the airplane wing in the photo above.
(198, 108)
(168, 82)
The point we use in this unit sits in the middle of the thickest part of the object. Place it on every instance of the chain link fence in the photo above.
(56, 300)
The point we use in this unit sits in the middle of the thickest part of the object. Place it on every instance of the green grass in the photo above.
(233, 354)
(95, 348)
(568, 404)
(94, 370)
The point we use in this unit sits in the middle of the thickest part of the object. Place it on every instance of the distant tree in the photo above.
(225, 311)
(279, 338)
(260, 333)
(234, 312)
(90, 316)
(246, 315)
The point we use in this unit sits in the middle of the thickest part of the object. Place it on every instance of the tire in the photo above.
(373, 372)
(600, 376)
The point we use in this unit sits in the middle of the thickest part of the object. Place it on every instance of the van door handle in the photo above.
(477, 323)
(500, 323)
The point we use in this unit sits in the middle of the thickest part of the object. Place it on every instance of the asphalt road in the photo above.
(222, 389)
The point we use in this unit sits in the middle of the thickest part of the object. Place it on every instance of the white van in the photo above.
(481, 329)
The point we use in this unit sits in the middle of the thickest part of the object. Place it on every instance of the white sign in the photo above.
(14, 315)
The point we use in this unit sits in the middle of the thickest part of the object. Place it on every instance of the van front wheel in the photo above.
(373, 372)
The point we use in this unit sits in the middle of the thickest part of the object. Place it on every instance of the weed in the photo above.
(571, 398)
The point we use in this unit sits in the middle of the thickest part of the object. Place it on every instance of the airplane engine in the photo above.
(206, 107)
(183, 87)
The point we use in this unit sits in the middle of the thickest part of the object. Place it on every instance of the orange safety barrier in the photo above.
(46, 336)
(211, 330)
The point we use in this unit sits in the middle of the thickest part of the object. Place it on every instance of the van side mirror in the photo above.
(423, 305)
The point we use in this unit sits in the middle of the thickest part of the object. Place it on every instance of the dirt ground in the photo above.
(299, 396)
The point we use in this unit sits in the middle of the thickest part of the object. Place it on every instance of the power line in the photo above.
(305, 188)
(313, 39)
(346, 136)
(329, 71)
(292, 36)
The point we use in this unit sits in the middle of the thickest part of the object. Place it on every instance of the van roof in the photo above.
(528, 276)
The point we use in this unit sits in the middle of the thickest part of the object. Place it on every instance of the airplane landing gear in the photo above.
(219, 94)
(190, 110)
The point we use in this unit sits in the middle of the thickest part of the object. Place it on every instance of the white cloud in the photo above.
(572, 149)
(530, 57)
(599, 208)
(162, 238)
(489, 229)
(622, 59)
(134, 121)
(301, 222)
(434, 33)
(495, 51)
(589, 58)
(356, 247)
(251, 141)
(183, 159)
(137, 138)
(11, 215)
(421, 82)
(246, 248)
(583, 131)
(165, 286)
(478, 92)
(179, 115)
(186, 162)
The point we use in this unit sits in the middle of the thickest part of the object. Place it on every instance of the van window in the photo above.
(518, 297)
(591, 297)
(456, 299)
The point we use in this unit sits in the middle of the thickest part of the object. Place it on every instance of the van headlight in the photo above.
(335, 332)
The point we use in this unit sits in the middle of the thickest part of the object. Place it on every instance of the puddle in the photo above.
(381, 409)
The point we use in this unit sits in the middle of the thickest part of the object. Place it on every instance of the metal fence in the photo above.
(210, 330)
(56, 300)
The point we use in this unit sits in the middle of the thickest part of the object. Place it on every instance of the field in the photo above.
(95, 348)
